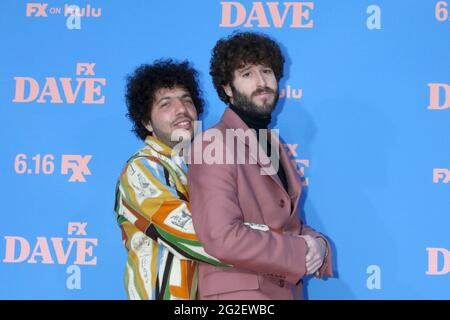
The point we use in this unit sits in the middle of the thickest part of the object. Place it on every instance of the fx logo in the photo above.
(37, 9)
(78, 165)
(86, 69)
(77, 228)
(294, 158)
(441, 175)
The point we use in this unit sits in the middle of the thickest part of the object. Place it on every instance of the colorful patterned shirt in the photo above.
(153, 212)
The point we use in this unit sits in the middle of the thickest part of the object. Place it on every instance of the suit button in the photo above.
(282, 203)
(281, 283)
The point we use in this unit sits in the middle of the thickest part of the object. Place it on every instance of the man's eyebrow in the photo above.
(186, 95)
(164, 98)
(245, 68)
(169, 97)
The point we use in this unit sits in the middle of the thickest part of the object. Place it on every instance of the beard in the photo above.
(171, 136)
(245, 103)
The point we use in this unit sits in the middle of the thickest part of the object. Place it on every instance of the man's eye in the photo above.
(245, 75)
(269, 71)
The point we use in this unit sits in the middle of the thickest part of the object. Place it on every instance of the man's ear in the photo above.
(148, 126)
(228, 91)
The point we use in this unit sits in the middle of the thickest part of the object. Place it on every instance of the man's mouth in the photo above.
(264, 93)
(183, 124)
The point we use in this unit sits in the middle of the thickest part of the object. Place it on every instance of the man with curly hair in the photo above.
(269, 262)
(152, 200)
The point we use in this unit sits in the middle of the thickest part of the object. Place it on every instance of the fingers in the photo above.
(309, 255)
(313, 267)
(314, 256)
(316, 266)
(313, 249)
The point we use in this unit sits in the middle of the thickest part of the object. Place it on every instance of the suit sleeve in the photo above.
(220, 225)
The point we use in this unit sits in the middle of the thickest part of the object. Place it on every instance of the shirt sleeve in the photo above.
(146, 200)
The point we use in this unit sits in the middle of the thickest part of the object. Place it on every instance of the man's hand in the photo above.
(315, 254)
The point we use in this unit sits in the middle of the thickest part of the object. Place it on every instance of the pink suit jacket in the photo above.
(266, 264)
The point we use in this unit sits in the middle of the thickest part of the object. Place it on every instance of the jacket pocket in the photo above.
(227, 281)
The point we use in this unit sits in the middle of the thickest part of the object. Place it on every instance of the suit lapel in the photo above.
(294, 184)
(232, 121)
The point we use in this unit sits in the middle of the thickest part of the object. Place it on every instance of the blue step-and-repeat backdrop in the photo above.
(365, 114)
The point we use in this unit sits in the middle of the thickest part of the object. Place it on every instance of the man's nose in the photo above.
(261, 80)
(180, 107)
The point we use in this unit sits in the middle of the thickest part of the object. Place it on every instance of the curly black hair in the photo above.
(241, 48)
(147, 79)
